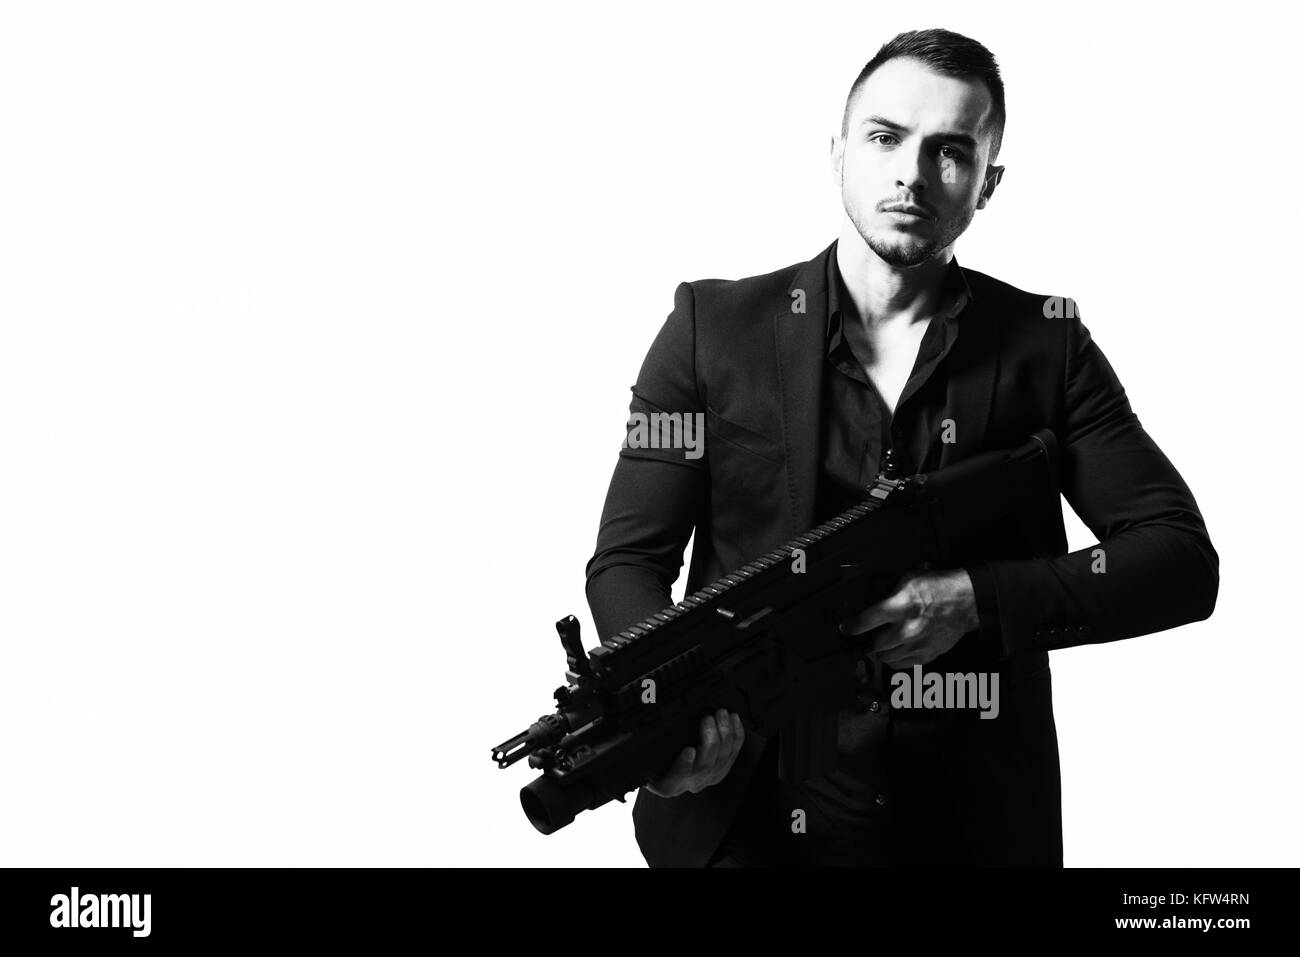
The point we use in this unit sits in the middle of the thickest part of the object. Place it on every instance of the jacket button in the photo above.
(875, 706)
(880, 800)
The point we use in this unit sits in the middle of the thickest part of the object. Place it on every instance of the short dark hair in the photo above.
(945, 52)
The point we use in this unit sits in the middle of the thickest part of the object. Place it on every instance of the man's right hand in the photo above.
(721, 737)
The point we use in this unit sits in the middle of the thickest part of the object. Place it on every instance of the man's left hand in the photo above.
(926, 615)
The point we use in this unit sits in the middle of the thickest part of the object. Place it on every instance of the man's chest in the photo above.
(889, 357)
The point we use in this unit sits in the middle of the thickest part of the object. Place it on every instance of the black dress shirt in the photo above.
(846, 813)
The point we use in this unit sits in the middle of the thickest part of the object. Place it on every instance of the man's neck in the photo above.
(889, 296)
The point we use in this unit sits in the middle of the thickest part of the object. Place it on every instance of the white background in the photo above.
(318, 327)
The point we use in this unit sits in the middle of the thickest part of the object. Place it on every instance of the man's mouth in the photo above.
(915, 212)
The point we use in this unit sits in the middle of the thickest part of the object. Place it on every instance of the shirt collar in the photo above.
(956, 294)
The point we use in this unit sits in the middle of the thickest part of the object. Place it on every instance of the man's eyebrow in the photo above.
(962, 139)
(881, 121)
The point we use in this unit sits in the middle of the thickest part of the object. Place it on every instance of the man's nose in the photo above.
(911, 171)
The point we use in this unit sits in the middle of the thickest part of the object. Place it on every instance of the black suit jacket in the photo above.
(968, 791)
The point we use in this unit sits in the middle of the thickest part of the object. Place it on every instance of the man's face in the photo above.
(919, 140)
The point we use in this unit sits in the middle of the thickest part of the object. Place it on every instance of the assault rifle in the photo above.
(763, 641)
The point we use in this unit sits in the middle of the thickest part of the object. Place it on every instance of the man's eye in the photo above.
(878, 136)
(953, 154)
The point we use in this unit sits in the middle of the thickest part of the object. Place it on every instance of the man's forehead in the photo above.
(906, 91)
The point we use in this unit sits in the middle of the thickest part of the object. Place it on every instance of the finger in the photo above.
(859, 625)
(901, 659)
(708, 743)
(681, 768)
(890, 609)
(888, 641)
(906, 658)
(723, 720)
(869, 620)
(903, 635)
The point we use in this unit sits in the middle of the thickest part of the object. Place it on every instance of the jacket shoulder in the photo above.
(1009, 299)
(1031, 323)
(745, 297)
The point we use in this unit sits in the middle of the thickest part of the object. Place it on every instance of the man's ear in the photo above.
(837, 160)
(991, 180)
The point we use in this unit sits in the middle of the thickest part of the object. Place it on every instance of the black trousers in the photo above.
(761, 836)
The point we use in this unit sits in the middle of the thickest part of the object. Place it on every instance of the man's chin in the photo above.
(901, 254)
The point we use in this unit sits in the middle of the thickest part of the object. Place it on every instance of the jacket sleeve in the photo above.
(1153, 568)
(656, 494)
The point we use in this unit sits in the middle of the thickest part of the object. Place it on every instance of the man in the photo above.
(804, 377)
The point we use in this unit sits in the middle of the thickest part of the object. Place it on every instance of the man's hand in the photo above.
(720, 739)
(925, 616)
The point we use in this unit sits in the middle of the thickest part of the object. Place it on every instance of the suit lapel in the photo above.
(972, 370)
(801, 355)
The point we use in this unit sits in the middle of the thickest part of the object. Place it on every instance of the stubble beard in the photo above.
(905, 250)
